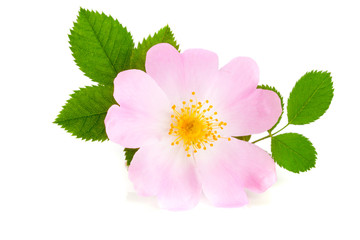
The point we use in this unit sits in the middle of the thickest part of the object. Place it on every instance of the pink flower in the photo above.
(182, 113)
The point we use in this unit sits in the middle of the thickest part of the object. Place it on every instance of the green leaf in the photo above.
(244, 138)
(310, 97)
(164, 35)
(293, 152)
(267, 87)
(84, 113)
(129, 154)
(101, 46)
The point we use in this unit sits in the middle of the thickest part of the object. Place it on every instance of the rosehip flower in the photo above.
(182, 114)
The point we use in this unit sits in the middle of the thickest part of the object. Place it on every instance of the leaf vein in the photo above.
(102, 47)
(287, 146)
(83, 116)
(307, 101)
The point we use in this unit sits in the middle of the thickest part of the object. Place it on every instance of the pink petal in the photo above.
(178, 74)
(236, 79)
(229, 167)
(143, 113)
(254, 114)
(162, 170)
(165, 66)
(201, 70)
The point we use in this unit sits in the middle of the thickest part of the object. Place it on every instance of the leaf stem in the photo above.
(261, 139)
(270, 134)
(281, 129)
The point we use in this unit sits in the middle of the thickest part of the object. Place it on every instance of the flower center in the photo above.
(195, 125)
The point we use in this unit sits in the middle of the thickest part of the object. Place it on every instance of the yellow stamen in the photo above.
(194, 127)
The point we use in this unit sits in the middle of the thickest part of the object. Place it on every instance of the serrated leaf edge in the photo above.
(274, 137)
(317, 88)
(85, 12)
(271, 88)
(58, 121)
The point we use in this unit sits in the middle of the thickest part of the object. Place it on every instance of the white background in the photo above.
(54, 186)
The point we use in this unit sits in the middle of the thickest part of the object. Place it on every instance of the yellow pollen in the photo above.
(193, 126)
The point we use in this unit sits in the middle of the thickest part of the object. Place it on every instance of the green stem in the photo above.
(271, 134)
(261, 139)
(281, 129)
